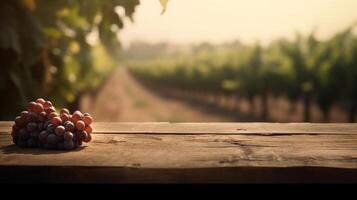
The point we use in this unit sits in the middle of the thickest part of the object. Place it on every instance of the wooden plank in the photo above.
(217, 128)
(195, 153)
(226, 128)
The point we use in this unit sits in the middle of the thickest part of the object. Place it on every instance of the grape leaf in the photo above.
(164, 5)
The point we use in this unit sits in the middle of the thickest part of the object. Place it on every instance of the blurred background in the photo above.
(182, 60)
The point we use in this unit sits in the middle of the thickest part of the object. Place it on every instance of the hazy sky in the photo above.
(187, 21)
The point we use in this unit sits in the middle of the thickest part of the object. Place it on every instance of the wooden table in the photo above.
(192, 153)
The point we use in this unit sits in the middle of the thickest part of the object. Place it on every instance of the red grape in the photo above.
(46, 124)
(31, 126)
(76, 117)
(23, 134)
(66, 122)
(31, 143)
(31, 106)
(68, 145)
(24, 115)
(34, 134)
(88, 138)
(41, 101)
(64, 110)
(43, 136)
(42, 126)
(78, 112)
(87, 119)
(88, 129)
(59, 130)
(70, 126)
(51, 139)
(75, 136)
(56, 121)
(68, 135)
(80, 125)
(60, 138)
(38, 108)
(50, 110)
(19, 121)
(50, 128)
(52, 115)
(64, 117)
(82, 135)
(47, 104)
(42, 116)
(70, 118)
(33, 117)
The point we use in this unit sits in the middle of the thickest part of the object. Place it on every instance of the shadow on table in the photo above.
(13, 149)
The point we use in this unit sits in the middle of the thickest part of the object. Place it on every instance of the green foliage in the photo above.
(324, 71)
(47, 48)
(19, 55)
(164, 5)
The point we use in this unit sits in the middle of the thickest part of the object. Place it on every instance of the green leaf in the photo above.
(52, 32)
(307, 86)
(164, 5)
(230, 85)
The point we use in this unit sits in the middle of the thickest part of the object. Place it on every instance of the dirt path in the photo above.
(124, 99)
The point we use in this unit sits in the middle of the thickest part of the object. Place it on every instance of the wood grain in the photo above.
(217, 128)
(195, 152)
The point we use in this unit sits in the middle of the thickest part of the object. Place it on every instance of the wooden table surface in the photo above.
(192, 153)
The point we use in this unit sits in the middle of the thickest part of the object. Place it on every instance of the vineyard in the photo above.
(307, 70)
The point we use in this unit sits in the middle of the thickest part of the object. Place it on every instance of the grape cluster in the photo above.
(41, 126)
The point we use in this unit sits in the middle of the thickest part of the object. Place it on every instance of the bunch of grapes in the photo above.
(41, 126)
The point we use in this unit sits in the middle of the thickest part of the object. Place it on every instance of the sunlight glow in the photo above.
(188, 21)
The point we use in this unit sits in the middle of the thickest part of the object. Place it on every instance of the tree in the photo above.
(250, 75)
(350, 82)
(299, 53)
(44, 49)
(273, 76)
(21, 44)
